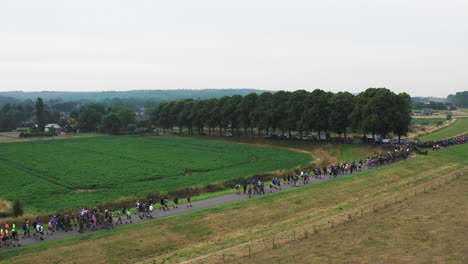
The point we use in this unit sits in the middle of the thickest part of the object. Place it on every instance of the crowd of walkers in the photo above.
(84, 219)
(95, 219)
(393, 152)
(440, 144)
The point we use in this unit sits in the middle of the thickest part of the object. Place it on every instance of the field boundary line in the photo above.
(35, 174)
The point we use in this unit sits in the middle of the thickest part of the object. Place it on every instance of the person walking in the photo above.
(26, 228)
(189, 200)
(119, 217)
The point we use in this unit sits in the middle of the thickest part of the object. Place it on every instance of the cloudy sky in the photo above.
(417, 46)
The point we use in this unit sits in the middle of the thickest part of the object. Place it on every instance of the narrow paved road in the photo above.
(160, 213)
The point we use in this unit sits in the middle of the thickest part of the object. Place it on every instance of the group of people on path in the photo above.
(82, 220)
(440, 144)
(394, 152)
(85, 219)
(9, 235)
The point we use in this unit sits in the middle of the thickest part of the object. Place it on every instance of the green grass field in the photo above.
(53, 175)
(427, 121)
(459, 127)
(232, 227)
(322, 153)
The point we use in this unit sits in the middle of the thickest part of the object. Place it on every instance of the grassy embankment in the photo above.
(428, 228)
(459, 127)
(206, 235)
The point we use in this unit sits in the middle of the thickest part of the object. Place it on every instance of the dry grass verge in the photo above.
(430, 227)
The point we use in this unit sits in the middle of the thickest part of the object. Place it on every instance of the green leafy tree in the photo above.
(212, 109)
(126, 116)
(90, 119)
(401, 114)
(341, 105)
(316, 111)
(40, 114)
(295, 108)
(246, 112)
(224, 114)
(279, 109)
(200, 115)
(232, 109)
(264, 112)
(459, 99)
(111, 123)
(11, 119)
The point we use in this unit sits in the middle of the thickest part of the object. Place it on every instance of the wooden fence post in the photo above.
(250, 252)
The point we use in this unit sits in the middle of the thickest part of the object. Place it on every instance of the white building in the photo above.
(53, 127)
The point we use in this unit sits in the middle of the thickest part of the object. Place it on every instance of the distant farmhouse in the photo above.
(53, 128)
(426, 111)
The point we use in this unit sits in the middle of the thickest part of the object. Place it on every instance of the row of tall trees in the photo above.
(459, 99)
(375, 111)
(433, 105)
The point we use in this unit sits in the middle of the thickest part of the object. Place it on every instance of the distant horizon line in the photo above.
(175, 89)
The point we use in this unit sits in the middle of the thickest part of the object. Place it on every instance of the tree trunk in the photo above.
(245, 131)
(251, 131)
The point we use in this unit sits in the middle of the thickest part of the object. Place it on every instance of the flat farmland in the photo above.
(59, 174)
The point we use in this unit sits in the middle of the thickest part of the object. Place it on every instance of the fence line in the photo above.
(273, 240)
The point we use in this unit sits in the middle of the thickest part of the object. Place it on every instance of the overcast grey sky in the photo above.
(416, 46)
